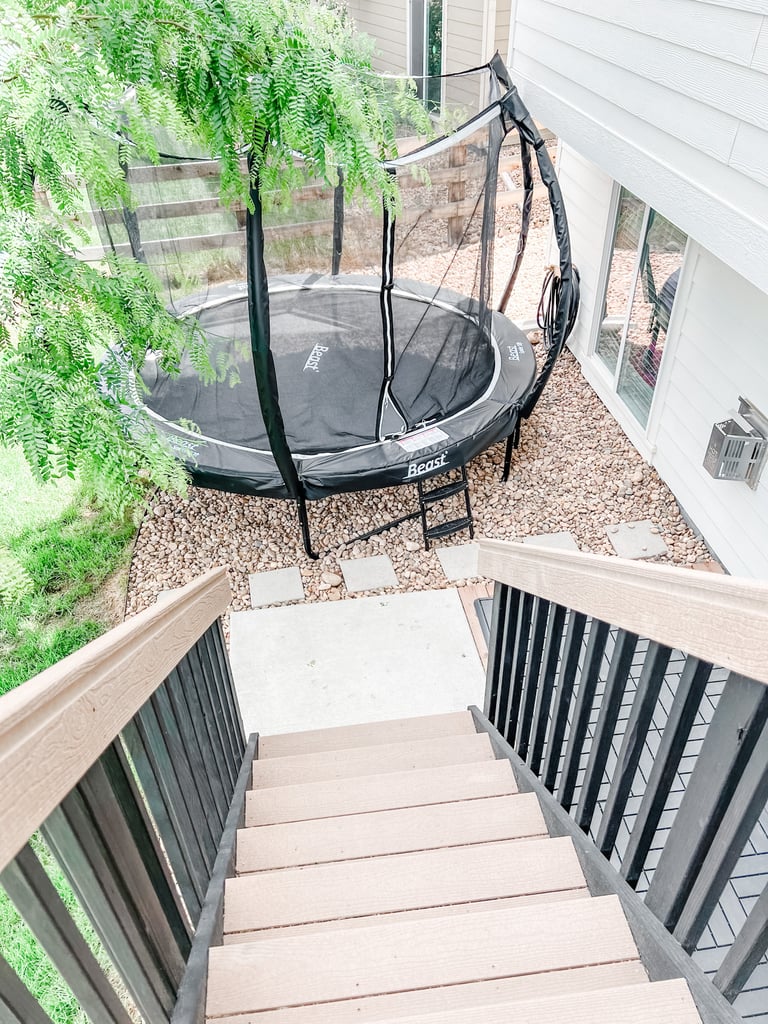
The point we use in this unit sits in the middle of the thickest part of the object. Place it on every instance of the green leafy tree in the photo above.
(78, 79)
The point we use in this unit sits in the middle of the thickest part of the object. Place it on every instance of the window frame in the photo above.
(635, 428)
(423, 63)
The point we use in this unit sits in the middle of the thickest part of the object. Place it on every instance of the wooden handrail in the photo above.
(54, 727)
(720, 619)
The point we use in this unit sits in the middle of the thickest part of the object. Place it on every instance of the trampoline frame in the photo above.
(294, 468)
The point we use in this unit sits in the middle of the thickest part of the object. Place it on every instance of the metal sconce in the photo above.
(738, 447)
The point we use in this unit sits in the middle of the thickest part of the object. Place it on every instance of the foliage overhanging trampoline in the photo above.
(370, 356)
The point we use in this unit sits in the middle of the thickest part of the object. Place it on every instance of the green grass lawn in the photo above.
(55, 552)
(23, 501)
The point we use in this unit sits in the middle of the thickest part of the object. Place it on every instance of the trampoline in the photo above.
(352, 374)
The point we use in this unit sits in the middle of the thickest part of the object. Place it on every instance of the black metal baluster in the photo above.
(610, 705)
(506, 641)
(192, 720)
(211, 699)
(17, 1004)
(120, 818)
(496, 648)
(166, 821)
(185, 773)
(530, 686)
(585, 698)
(163, 772)
(38, 902)
(190, 1005)
(569, 666)
(735, 729)
(203, 771)
(231, 725)
(685, 705)
(77, 847)
(519, 658)
(739, 819)
(640, 718)
(228, 682)
(746, 952)
(546, 688)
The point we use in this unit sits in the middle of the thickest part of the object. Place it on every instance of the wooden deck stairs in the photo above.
(391, 872)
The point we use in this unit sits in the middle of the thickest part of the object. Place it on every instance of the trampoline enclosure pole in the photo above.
(263, 363)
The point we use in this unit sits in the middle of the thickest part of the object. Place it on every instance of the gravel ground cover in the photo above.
(575, 470)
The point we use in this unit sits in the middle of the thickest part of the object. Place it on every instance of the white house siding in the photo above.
(386, 21)
(669, 97)
(719, 353)
(503, 20)
(588, 194)
(717, 350)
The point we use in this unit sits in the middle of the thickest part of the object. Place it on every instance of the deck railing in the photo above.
(636, 695)
(129, 757)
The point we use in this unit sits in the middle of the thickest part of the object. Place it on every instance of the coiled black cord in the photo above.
(546, 313)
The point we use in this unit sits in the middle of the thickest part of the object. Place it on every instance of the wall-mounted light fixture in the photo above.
(738, 446)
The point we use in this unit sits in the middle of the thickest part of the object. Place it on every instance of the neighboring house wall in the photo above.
(503, 22)
(472, 31)
(669, 97)
(385, 21)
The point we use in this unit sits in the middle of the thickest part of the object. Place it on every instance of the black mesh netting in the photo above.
(328, 355)
(381, 322)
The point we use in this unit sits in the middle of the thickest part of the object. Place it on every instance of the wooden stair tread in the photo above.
(661, 1002)
(439, 1000)
(444, 911)
(375, 759)
(382, 885)
(451, 724)
(419, 954)
(379, 792)
(381, 833)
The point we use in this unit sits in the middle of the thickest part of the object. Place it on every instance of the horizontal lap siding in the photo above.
(385, 21)
(587, 194)
(721, 353)
(670, 97)
(463, 34)
(463, 22)
(503, 19)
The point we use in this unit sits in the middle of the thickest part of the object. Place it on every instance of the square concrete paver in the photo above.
(316, 665)
(276, 587)
(564, 539)
(459, 562)
(636, 540)
(368, 573)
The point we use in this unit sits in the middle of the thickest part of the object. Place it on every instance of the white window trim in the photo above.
(604, 381)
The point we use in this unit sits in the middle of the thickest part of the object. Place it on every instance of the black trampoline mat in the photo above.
(327, 344)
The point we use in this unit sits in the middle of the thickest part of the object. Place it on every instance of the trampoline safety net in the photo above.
(386, 351)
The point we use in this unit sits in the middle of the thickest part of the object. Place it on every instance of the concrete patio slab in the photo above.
(459, 562)
(636, 540)
(371, 659)
(562, 539)
(372, 573)
(276, 587)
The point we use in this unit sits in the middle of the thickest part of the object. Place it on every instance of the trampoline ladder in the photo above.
(428, 499)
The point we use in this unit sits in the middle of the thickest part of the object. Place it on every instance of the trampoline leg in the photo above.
(513, 441)
(301, 505)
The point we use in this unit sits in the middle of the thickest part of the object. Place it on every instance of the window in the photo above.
(646, 260)
(426, 50)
